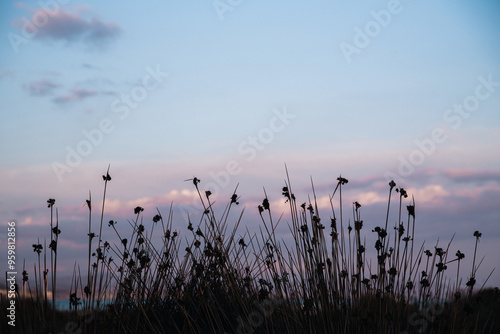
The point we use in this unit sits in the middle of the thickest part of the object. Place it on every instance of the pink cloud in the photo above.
(31, 221)
(123, 208)
(75, 95)
(469, 175)
(66, 243)
(430, 194)
(72, 27)
(372, 197)
(79, 94)
(477, 192)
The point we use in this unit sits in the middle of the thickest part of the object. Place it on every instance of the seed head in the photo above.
(265, 204)
(342, 180)
(234, 199)
(411, 210)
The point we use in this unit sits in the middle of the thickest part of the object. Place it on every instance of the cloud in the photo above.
(73, 28)
(46, 73)
(478, 192)
(182, 197)
(6, 74)
(433, 194)
(34, 221)
(40, 87)
(79, 94)
(90, 66)
(479, 177)
(371, 197)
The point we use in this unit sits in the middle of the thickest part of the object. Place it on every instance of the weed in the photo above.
(218, 280)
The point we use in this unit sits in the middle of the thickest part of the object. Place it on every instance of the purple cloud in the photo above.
(479, 177)
(73, 28)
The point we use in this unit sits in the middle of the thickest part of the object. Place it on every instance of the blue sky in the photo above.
(271, 78)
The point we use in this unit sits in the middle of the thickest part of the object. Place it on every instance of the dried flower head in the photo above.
(234, 199)
(342, 180)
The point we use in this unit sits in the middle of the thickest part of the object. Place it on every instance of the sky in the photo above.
(231, 91)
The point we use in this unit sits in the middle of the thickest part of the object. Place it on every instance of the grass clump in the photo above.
(219, 280)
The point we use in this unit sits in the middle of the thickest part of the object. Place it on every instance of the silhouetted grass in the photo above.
(218, 280)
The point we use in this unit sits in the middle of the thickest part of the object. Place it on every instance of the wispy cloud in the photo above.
(6, 74)
(90, 66)
(46, 73)
(79, 94)
(479, 177)
(176, 197)
(40, 87)
(76, 27)
(432, 194)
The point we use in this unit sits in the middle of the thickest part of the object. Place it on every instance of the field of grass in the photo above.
(217, 277)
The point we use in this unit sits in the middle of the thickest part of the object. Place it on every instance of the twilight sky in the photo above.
(231, 90)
